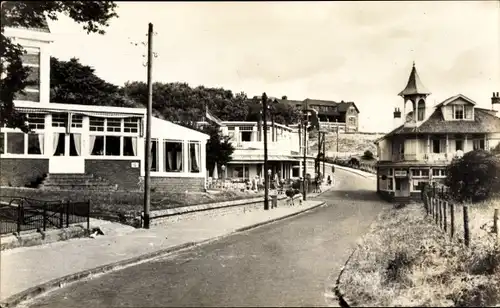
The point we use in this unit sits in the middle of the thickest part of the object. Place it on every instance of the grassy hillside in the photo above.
(348, 143)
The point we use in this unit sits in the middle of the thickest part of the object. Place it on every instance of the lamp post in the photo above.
(266, 180)
(223, 169)
(304, 125)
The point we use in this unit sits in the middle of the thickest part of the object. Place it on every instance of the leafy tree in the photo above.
(219, 148)
(74, 83)
(28, 14)
(474, 177)
(368, 155)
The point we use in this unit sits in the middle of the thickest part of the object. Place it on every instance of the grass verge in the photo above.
(406, 260)
(122, 205)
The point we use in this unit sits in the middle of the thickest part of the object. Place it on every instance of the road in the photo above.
(293, 262)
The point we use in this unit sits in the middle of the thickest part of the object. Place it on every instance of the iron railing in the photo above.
(19, 214)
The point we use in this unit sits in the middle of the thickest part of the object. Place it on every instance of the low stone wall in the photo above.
(34, 238)
(214, 209)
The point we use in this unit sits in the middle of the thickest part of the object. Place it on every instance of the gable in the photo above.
(459, 99)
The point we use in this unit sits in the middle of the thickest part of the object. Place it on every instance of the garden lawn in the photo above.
(406, 260)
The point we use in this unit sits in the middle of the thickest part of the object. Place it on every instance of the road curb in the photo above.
(51, 285)
(279, 218)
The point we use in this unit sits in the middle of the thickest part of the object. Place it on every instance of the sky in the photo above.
(352, 51)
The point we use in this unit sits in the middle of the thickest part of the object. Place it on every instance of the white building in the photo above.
(105, 142)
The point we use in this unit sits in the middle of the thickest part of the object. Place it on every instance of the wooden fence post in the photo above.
(452, 219)
(61, 215)
(445, 220)
(67, 213)
(44, 216)
(495, 222)
(436, 218)
(466, 225)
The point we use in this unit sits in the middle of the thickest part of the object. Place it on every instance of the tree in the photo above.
(219, 148)
(31, 14)
(368, 155)
(74, 83)
(474, 177)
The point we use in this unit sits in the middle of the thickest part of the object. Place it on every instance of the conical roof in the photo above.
(414, 85)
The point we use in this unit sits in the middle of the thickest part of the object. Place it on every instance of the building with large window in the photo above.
(106, 143)
(419, 149)
(285, 151)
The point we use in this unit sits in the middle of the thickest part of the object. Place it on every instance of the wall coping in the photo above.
(207, 206)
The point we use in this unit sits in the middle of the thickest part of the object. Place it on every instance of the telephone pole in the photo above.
(266, 176)
(304, 189)
(147, 159)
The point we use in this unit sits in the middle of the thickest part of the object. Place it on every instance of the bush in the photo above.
(474, 177)
(368, 155)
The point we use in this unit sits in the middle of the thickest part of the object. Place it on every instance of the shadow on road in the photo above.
(360, 194)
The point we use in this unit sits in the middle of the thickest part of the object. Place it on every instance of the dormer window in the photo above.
(459, 112)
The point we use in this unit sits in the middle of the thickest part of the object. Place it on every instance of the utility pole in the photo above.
(266, 176)
(147, 159)
(324, 152)
(304, 190)
(317, 167)
(337, 136)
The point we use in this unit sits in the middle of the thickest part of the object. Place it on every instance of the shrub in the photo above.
(474, 176)
(398, 268)
(368, 155)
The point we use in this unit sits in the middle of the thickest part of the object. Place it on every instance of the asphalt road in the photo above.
(293, 262)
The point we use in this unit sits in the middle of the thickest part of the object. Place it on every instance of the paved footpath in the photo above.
(27, 267)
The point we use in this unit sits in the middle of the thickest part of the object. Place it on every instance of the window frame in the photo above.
(456, 108)
(121, 134)
(33, 50)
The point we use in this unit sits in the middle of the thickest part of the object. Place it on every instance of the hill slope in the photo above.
(348, 144)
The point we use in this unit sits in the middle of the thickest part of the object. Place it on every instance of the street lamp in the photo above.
(223, 169)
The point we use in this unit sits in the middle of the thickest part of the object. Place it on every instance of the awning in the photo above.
(100, 114)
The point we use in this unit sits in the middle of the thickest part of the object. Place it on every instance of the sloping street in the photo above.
(293, 262)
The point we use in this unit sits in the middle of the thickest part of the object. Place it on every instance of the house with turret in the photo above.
(426, 138)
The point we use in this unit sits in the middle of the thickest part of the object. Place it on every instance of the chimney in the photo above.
(397, 118)
(495, 99)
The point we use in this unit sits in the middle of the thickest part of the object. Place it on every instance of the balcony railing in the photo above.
(430, 157)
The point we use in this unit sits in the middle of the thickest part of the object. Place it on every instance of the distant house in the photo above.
(344, 115)
(87, 144)
(419, 149)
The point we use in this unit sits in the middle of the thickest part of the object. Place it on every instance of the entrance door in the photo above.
(402, 187)
(67, 157)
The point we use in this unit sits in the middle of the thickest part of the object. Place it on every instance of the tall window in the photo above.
(173, 154)
(194, 158)
(31, 60)
(21, 143)
(436, 147)
(154, 155)
(421, 110)
(459, 145)
(459, 112)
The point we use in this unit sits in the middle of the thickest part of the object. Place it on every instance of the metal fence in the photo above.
(19, 214)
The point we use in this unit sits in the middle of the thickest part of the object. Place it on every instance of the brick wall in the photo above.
(177, 184)
(22, 171)
(116, 172)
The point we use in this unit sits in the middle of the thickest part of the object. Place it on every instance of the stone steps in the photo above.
(75, 182)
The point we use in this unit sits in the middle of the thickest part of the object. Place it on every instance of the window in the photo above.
(459, 112)
(77, 121)
(36, 120)
(479, 144)
(96, 145)
(2, 143)
(112, 145)
(436, 148)
(129, 146)
(60, 146)
(194, 158)
(398, 184)
(35, 143)
(96, 124)
(15, 143)
(415, 172)
(31, 60)
(438, 172)
(246, 128)
(246, 136)
(459, 145)
(421, 110)
(155, 157)
(172, 154)
(131, 125)
(425, 172)
(114, 125)
(418, 185)
(59, 119)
